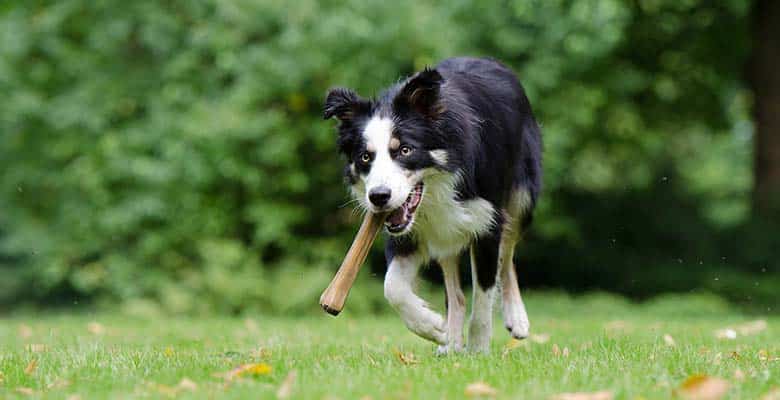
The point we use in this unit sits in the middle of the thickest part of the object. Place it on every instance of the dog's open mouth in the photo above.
(402, 216)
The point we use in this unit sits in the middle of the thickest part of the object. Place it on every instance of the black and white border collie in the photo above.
(453, 154)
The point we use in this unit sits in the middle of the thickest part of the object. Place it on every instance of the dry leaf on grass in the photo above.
(187, 384)
(773, 394)
(406, 358)
(58, 383)
(601, 395)
(726, 333)
(556, 350)
(25, 391)
(703, 387)
(669, 340)
(31, 367)
(96, 328)
(480, 389)
(752, 327)
(763, 355)
(249, 370)
(252, 326)
(514, 343)
(25, 331)
(746, 329)
(617, 327)
(286, 388)
(540, 338)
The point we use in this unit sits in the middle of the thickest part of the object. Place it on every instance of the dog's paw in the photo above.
(443, 350)
(519, 331)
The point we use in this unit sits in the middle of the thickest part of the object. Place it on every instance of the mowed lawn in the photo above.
(579, 344)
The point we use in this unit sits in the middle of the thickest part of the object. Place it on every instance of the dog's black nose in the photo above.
(379, 196)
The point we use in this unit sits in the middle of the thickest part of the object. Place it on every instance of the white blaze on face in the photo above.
(384, 170)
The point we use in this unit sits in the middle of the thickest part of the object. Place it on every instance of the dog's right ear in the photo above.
(343, 104)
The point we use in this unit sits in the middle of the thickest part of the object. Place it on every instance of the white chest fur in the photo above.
(444, 226)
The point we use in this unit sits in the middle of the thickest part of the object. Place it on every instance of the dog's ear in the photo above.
(421, 93)
(343, 104)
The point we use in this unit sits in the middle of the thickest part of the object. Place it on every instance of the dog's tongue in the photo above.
(398, 217)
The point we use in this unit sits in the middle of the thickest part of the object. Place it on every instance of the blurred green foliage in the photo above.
(172, 153)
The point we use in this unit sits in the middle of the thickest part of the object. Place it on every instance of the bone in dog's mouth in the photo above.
(402, 217)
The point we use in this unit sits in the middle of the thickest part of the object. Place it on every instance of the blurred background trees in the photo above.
(172, 154)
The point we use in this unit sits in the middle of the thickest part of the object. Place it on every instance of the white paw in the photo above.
(519, 330)
(516, 321)
(443, 350)
(431, 328)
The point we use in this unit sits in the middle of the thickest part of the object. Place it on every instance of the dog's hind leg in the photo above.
(456, 305)
(484, 266)
(418, 317)
(515, 316)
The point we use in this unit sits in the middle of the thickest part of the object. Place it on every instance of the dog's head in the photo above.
(392, 144)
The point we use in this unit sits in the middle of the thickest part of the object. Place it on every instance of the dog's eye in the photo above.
(406, 150)
(365, 157)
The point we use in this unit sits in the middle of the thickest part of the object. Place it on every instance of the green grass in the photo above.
(612, 345)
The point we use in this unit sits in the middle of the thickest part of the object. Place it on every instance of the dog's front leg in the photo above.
(484, 269)
(399, 284)
(456, 305)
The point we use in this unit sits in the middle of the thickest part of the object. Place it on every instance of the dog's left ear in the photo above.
(421, 93)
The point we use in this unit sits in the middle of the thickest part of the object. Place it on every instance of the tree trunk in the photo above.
(765, 81)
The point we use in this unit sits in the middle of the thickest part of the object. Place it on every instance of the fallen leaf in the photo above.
(556, 350)
(480, 389)
(735, 355)
(286, 388)
(406, 358)
(703, 387)
(739, 375)
(773, 394)
(36, 348)
(752, 327)
(514, 343)
(25, 331)
(669, 340)
(187, 384)
(602, 395)
(96, 328)
(25, 391)
(58, 383)
(252, 370)
(252, 326)
(166, 390)
(540, 338)
(726, 334)
(31, 367)
(617, 327)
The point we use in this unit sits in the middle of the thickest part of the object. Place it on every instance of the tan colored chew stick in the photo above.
(333, 298)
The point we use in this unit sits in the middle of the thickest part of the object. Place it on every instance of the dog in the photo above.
(454, 155)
